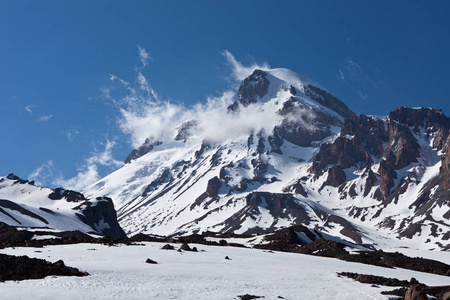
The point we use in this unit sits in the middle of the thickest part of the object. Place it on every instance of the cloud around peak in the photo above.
(239, 71)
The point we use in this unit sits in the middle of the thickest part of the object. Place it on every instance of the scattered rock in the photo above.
(150, 261)
(168, 247)
(249, 297)
(185, 247)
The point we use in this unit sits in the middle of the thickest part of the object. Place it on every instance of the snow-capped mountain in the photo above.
(23, 204)
(293, 154)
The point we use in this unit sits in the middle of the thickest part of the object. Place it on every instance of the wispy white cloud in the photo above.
(239, 71)
(29, 109)
(41, 174)
(143, 56)
(341, 75)
(144, 116)
(71, 134)
(361, 78)
(104, 157)
(45, 118)
(361, 94)
(85, 177)
(89, 173)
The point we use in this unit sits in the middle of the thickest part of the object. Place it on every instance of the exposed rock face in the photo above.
(336, 176)
(68, 195)
(185, 130)
(392, 143)
(213, 187)
(101, 216)
(145, 148)
(445, 167)
(328, 100)
(360, 138)
(416, 291)
(254, 86)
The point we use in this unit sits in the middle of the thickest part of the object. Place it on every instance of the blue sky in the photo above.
(62, 115)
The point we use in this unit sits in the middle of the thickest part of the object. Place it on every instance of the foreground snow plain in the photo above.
(120, 272)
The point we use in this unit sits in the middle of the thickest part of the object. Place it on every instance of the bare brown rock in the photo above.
(416, 291)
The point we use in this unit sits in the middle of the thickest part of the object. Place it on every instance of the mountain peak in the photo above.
(261, 86)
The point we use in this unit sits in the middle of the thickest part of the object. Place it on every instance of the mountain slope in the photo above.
(291, 158)
(22, 204)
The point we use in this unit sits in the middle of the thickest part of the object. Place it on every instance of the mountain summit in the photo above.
(292, 154)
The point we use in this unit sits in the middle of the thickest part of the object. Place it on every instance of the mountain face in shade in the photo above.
(306, 159)
(22, 204)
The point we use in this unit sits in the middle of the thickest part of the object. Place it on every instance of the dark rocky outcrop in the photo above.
(253, 87)
(101, 216)
(416, 291)
(303, 126)
(328, 100)
(23, 267)
(184, 130)
(445, 167)
(18, 180)
(336, 176)
(68, 195)
(286, 239)
(392, 142)
(10, 233)
(214, 184)
(372, 279)
(145, 148)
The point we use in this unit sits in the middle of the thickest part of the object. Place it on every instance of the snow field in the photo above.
(121, 273)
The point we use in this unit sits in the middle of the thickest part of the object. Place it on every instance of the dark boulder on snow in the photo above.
(249, 297)
(150, 261)
(186, 247)
(168, 247)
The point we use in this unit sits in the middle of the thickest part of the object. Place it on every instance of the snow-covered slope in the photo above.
(22, 204)
(121, 273)
(290, 158)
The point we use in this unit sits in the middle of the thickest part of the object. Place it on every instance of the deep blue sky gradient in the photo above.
(57, 56)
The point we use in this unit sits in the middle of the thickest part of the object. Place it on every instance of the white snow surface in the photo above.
(121, 273)
(59, 214)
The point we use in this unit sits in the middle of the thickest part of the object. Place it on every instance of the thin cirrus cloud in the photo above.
(45, 118)
(361, 79)
(71, 134)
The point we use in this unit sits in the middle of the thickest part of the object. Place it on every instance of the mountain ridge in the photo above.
(312, 162)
